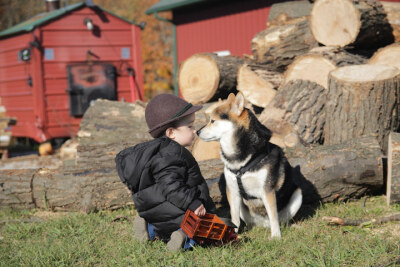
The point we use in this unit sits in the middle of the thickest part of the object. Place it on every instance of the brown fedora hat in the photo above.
(165, 109)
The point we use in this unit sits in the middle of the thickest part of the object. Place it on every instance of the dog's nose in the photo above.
(198, 132)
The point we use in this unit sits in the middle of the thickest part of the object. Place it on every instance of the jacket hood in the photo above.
(132, 161)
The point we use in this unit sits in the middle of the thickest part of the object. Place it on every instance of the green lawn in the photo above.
(38, 238)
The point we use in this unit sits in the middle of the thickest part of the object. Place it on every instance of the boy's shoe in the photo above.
(177, 240)
(140, 226)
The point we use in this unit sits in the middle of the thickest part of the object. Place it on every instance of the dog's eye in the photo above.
(212, 121)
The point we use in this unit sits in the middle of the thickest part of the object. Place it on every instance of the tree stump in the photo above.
(392, 10)
(258, 84)
(393, 173)
(389, 55)
(207, 77)
(279, 46)
(360, 23)
(362, 100)
(318, 62)
(300, 103)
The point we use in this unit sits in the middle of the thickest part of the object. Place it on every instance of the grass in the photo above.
(76, 239)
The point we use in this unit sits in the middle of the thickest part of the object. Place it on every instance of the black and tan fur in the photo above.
(266, 194)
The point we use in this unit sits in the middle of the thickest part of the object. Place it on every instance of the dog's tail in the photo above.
(292, 207)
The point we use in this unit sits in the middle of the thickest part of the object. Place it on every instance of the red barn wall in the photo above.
(15, 93)
(220, 26)
(71, 41)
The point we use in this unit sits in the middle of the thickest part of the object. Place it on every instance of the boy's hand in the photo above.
(200, 211)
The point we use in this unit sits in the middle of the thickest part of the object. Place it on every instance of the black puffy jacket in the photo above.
(165, 181)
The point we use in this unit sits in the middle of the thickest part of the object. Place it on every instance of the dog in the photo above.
(259, 181)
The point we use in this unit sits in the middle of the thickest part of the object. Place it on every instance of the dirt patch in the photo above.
(50, 215)
(390, 230)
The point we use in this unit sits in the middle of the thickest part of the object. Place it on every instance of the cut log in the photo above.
(114, 125)
(257, 84)
(392, 10)
(341, 23)
(278, 46)
(78, 188)
(207, 77)
(15, 189)
(393, 173)
(338, 172)
(327, 173)
(283, 133)
(282, 13)
(301, 104)
(362, 100)
(318, 62)
(202, 150)
(389, 55)
(311, 68)
(330, 173)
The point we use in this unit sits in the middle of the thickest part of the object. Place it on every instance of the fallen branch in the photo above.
(120, 218)
(350, 222)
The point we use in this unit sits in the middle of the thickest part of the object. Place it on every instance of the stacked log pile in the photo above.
(332, 107)
(322, 74)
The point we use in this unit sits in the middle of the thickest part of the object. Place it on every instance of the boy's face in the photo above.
(184, 133)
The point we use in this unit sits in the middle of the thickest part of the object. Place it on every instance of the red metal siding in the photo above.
(43, 110)
(225, 27)
(71, 42)
(15, 93)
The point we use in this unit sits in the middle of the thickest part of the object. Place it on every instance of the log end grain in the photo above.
(312, 68)
(335, 22)
(198, 78)
(389, 55)
(256, 90)
(365, 73)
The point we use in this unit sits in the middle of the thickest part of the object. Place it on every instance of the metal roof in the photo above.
(43, 18)
(166, 5)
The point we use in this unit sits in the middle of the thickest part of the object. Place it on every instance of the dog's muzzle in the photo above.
(199, 131)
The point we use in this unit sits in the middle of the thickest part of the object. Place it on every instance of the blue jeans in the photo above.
(189, 243)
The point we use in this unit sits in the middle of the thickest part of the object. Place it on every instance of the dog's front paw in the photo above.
(276, 235)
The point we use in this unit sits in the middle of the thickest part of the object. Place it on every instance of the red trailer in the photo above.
(54, 65)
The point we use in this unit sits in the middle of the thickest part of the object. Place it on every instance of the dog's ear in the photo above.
(238, 105)
(231, 98)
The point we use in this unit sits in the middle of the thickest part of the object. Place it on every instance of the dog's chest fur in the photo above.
(253, 182)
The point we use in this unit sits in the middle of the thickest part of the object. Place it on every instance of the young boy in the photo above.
(162, 174)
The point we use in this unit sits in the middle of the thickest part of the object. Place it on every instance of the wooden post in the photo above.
(393, 174)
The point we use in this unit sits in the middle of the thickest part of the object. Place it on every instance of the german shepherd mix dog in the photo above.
(259, 183)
